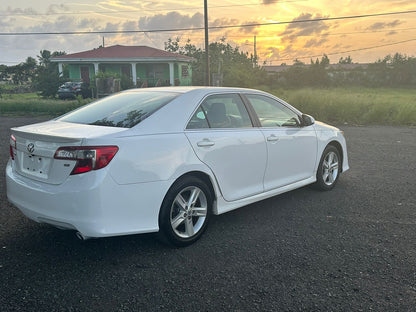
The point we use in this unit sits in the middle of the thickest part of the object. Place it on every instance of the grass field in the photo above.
(358, 106)
(32, 104)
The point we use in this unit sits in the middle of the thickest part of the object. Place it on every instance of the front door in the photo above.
(222, 136)
(126, 71)
(85, 74)
(291, 148)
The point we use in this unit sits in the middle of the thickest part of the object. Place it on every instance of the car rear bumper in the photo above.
(103, 208)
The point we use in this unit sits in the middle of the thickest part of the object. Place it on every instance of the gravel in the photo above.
(350, 249)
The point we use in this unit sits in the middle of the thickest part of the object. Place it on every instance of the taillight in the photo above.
(12, 146)
(88, 157)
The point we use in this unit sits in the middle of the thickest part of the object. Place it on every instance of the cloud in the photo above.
(19, 47)
(56, 8)
(250, 30)
(381, 25)
(267, 2)
(272, 52)
(63, 24)
(301, 28)
(224, 22)
(130, 25)
(18, 11)
(171, 20)
(314, 43)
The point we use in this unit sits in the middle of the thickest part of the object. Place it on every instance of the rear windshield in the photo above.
(123, 110)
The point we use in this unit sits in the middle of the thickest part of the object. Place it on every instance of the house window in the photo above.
(185, 72)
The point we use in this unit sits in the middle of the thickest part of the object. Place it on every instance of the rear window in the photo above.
(123, 110)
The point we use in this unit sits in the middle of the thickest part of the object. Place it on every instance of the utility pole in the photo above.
(207, 78)
(255, 51)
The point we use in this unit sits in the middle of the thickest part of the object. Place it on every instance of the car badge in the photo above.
(31, 147)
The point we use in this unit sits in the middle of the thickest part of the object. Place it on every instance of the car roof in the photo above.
(201, 89)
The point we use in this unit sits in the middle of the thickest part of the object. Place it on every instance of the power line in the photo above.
(198, 36)
(334, 34)
(314, 20)
(201, 28)
(150, 10)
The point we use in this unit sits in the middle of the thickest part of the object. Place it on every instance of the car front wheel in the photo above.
(185, 212)
(328, 169)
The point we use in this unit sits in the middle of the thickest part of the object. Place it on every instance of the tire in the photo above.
(185, 212)
(328, 169)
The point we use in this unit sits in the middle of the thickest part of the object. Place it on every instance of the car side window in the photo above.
(221, 111)
(272, 113)
(198, 120)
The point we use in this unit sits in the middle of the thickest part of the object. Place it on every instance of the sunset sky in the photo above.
(364, 39)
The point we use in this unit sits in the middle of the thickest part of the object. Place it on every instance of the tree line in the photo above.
(392, 71)
(237, 68)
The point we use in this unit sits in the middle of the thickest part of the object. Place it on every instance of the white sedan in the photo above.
(165, 159)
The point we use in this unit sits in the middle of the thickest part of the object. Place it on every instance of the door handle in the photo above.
(272, 138)
(205, 143)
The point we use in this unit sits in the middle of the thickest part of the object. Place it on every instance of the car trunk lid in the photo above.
(36, 146)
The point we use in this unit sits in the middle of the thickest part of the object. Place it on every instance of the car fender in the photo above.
(326, 135)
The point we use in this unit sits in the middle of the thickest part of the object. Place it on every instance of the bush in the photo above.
(48, 82)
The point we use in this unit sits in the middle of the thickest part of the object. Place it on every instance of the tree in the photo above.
(48, 79)
(3, 72)
(172, 45)
(347, 60)
(324, 60)
(29, 69)
(236, 67)
(44, 58)
(47, 82)
(297, 62)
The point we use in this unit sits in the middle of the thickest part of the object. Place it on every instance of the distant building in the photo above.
(276, 68)
(144, 65)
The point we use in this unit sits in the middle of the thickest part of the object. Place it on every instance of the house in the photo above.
(146, 66)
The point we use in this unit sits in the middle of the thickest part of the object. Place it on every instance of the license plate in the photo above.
(35, 165)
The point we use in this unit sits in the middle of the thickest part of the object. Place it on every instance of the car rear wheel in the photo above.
(185, 212)
(328, 170)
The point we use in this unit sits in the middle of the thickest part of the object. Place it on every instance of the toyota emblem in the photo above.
(31, 147)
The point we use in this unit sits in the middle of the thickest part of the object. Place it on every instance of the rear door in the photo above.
(222, 136)
(291, 147)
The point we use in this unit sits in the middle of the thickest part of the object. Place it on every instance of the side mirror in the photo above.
(307, 120)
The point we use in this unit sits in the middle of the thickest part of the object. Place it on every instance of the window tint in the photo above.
(123, 110)
(272, 113)
(221, 111)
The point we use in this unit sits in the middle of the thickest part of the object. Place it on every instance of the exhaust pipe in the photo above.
(82, 237)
